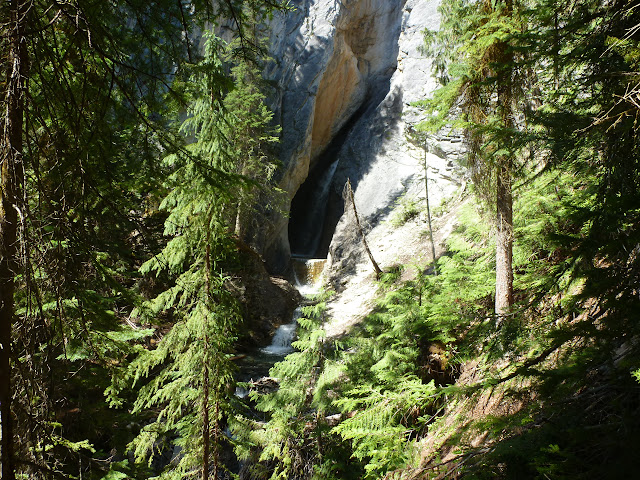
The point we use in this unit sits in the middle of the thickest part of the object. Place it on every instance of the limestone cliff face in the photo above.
(346, 72)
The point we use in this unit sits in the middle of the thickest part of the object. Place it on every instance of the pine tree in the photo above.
(476, 58)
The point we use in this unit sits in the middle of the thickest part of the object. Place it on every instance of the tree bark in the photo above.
(364, 238)
(426, 192)
(504, 241)
(504, 197)
(206, 433)
(10, 166)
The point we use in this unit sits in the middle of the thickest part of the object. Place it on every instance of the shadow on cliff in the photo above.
(290, 98)
(359, 149)
(301, 66)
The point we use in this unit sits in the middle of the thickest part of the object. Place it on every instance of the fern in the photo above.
(381, 421)
(290, 443)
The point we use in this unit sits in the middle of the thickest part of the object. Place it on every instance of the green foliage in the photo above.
(290, 442)
(383, 422)
(188, 377)
(478, 60)
(570, 337)
(100, 113)
(103, 94)
(406, 209)
(177, 389)
(252, 137)
(93, 82)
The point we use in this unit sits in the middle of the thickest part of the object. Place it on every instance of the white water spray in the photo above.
(284, 336)
(310, 270)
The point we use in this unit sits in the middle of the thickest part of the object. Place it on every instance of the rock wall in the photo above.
(352, 67)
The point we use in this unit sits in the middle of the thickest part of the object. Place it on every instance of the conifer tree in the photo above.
(86, 101)
(77, 124)
(194, 387)
(290, 443)
(250, 134)
(476, 61)
(590, 127)
(15, 65)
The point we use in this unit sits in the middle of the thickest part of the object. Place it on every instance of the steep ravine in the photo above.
(331, 60)
(316, 207)
(345, 75)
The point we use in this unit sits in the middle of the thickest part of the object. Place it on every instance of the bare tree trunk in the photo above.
(426, 191)
(504, 242)
(10, 167)
(364, 238)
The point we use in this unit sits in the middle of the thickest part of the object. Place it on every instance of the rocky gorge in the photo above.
(346, 76)
(219, 221)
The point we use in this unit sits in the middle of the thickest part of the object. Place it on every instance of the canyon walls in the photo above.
(345, 75)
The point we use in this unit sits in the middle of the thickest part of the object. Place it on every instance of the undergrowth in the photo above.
(389, 401)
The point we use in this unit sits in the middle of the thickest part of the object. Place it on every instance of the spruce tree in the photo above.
(476, 60)
(74, 114)
(252, 136)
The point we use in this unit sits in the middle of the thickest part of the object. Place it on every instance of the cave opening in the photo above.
(317, 206)
(307, 230)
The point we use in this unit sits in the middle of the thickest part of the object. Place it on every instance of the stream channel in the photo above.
(257, 363)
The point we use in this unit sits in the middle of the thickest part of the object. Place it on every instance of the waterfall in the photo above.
(307, 274)
(284, 336)
(313, 222)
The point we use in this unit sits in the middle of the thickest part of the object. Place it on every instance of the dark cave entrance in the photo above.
(317, 206)
(313, 215)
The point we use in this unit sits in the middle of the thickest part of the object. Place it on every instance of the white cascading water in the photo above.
(282, 339)
(315, 217)
(307, 274)
(285, 334)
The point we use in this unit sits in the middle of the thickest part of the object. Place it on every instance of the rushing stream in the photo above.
(256, 364)
(282, 339)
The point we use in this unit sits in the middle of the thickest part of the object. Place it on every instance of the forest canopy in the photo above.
(139, 160)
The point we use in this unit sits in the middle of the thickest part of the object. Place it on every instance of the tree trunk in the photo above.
(426, 192)
(504, 241)
(364, 238)
(504, 198)
(206, 434)
(10, 168)
(216, 441)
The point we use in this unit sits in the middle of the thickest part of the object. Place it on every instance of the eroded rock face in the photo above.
(266, 301)
(328, 58)
(349, 70)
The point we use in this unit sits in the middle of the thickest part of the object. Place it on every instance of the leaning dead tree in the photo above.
(348, 196)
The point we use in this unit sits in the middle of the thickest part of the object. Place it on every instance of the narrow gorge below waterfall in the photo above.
(253, 366)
